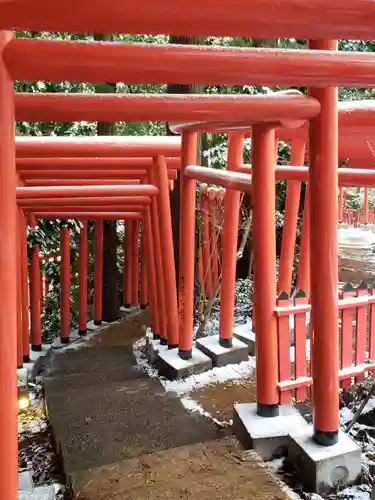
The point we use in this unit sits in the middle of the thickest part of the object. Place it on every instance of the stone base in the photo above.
(321, 468)
(222, 356)
(154, 347)
(269, 437)
(93, 328)
(25, 481)
(38, 493)
(22, 378)
(246, 336)
(171, 366)
(343, 225)
(129, 310)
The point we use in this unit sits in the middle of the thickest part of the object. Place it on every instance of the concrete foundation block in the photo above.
(171, 366)
(342, 225)
(93, 328)
(154, 347)
(321, 468)
(269, 437)
(39, 493)
(247, 336)
(129, 310)
(22, 377)
(222, 356)
(25, 481)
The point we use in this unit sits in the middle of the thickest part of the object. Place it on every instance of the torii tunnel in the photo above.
(132, 176)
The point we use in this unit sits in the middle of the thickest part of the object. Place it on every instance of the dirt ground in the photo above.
(218, 399)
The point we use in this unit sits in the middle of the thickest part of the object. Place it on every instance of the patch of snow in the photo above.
(32, 426)
(346, 416)
(369, 406)
(276, 465)
(139, 348)
(360, 492)
(192, 406)
(38, 493)
(215, 375)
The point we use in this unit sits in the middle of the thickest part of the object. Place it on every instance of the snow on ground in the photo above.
(218, 375)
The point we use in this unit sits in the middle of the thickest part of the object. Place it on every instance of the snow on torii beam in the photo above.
(89, 215)
(85, 191)
(278, 106)
(98, 146)
(98, 201)
(64, 60)
(92, 164)
(311, 19)
(241, 181)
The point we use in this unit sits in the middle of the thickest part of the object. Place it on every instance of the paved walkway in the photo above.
(121, 436)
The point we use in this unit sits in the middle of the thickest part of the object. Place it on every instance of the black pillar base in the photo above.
(163, 341)
(97, 323)
(65, 341)
(227, 343)
(82, 332)
(144, 306)
(26, 359)
(267, 411)
(185, 354)
(325, 438)
(172, 346)
(36, 348)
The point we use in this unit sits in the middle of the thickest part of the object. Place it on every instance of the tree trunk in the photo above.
(174, 88)
(110, 272)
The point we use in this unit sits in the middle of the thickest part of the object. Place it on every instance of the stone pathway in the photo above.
(121, 436)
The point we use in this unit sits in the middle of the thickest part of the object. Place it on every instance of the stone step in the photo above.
(111, 422)
(215, 470)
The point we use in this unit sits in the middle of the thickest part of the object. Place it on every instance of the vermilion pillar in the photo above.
(24, 287)
(65, 285)
(323, 184)
(206, 243)
(35, 296)
(98, 272)
(231, 216)
(153, 291)
(128, 251)
(214, 254)
(8, 273)
(159, 270)
(166, 240)
(303, 277)
(365, 206)
(18, 277)
(135, 262)
(264, 248)
(82, 279)
(144, 259)
(288, 244)
(187, 247)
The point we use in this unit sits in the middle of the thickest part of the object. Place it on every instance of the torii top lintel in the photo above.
(311, 19)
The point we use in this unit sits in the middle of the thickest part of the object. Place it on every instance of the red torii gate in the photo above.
(316, 20)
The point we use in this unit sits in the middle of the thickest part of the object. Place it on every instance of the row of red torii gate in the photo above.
(129, 178)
